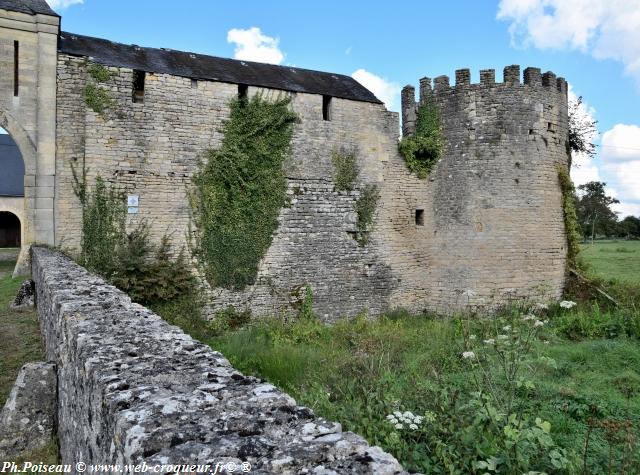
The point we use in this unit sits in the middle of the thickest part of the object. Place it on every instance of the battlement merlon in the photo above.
(532, 78)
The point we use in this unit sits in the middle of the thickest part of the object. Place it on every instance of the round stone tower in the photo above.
(491, 224)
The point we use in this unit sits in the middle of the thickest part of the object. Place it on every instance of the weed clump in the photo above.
(423, 149)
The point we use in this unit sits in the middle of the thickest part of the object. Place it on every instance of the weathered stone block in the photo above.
(27, 419)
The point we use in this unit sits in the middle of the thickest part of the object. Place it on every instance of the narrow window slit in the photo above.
(16, 68)
(326, 107)
(243, 92)
(419, 217)
(138, 85)
(194, 84)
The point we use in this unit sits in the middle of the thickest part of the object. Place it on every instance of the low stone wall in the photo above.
(133, 389)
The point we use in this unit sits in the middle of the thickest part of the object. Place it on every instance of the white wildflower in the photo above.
(506, 328)
(468, 355)
(490, 341)
(413, 427)
(418, 419)
(567, 304)
(391, 418)
(398, 414)
(538, 323)
(529, 317)
(502, 337)
(541, 306)
(472, 337)
(399, 426)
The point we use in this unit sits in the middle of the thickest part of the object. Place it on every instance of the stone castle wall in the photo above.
(152, 149)
(493, 227)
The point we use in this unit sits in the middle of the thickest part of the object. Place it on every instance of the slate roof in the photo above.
(30, 7)
(199, 66)
(12, 166)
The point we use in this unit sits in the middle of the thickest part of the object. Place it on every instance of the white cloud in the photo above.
(620, 156)
(621, 143)
(626, 209)
(606, 29)
(384, 90)
(61, 4)
(253, 45)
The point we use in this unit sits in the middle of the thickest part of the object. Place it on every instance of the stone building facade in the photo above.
(486, 225)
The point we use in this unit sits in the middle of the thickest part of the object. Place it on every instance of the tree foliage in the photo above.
(595, 215)
(582, 130)
(240, 190)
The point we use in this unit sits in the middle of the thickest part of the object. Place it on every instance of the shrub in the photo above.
(127, 260)
(103, 226)
(228, 319)
(148, 274)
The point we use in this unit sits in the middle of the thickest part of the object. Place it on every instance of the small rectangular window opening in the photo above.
(243, 91)
(326, 107)
(16, 68)
(419, 217)
(138, 85)
(194, 84)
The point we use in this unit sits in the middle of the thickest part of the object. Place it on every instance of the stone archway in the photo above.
(10, 229)
(23, 208)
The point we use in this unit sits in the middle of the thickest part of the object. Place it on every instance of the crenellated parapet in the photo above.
(533, 83)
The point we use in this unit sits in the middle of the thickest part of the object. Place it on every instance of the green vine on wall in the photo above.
(239, 192)
(365, 208)
(423, 149)
(345, 167)
(570, 217)
(96, 97)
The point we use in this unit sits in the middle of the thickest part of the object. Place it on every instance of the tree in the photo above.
(629, 227)
(594, 210)
(582, 129)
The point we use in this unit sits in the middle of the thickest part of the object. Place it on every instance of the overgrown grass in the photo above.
(19, 334)
(614, 259)
(358, 372)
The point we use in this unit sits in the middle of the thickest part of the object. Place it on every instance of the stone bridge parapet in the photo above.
(133, 388)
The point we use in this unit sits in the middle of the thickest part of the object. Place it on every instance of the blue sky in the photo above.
(594, 44)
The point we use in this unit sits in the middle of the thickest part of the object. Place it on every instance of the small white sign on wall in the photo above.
(132, 204)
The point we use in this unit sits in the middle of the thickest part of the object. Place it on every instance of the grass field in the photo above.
(20, 343)
(614, 259)
(359, 372)
(19, 334)
(8, 258)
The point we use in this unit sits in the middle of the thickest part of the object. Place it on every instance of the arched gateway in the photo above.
(28, 57)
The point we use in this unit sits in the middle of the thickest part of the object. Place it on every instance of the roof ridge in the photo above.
(215, 68)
